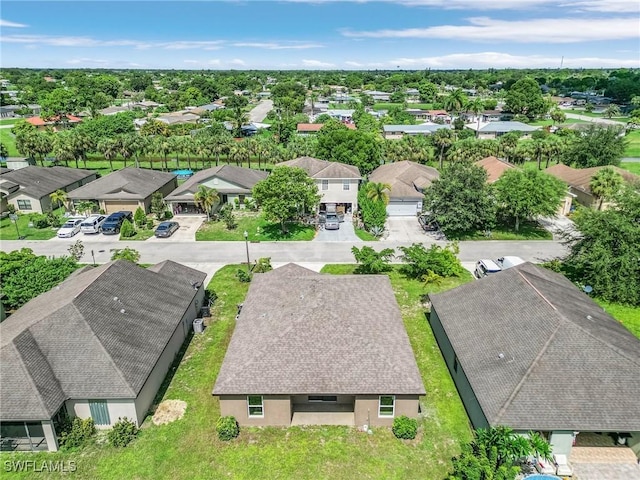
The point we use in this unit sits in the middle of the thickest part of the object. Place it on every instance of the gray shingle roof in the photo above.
(126, 184)
(501, 127)
(244, 178)
(319, 169)
(405, 178)
(566, 365)
(38, 182)
(96, 335)
(300, 332)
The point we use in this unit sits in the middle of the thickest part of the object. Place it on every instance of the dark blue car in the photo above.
(113, 223)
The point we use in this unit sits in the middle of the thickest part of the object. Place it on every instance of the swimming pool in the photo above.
(183, 173)
(541, 476)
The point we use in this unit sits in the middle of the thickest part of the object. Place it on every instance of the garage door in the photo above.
(115, 206)
(398, 209)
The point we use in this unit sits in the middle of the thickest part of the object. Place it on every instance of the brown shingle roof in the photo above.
(300, 332)
(38, 182)
(318, 169)
(580, 178)
(315, 127)
(494, 167)
(565, 363)
(405, 178)
(128, 183)
(244, 178)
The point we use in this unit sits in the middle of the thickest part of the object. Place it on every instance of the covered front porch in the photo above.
(323, 410)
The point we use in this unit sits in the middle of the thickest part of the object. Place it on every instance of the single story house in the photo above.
(99, 345)
(527, 349)
(378, 96)
(337, 182)
(345, 116)
(492, 130)
(232, 184)
(398, 131)
(313, 128)
(408, 182)
(9, 111)
(578, 180)
(292, 361)
(494, 167)
(126, 189)
(28, 188)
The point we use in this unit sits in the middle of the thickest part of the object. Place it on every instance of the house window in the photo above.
(386, 405)
(99, 412)
(256, 405)
(24, 204)
(325, 184)
(323, 398)
(346, 184)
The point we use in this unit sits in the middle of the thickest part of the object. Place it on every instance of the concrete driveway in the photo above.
(406, 230)
(345, 233)
(189, 225)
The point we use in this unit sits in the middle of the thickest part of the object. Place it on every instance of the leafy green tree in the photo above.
(456, 101)
(4, 151)
(126, 253)
(140, 217)
(596, 146)
(525, 98)
(420, 261)
(76, 250)
(605, 254)
(557, 116)
(285, 193)
(127, 230)
(86, 207)
(612, 110)
(373, 212)
(605, 184)
(460, 199)
(58, 104)
(337, 143)
(523, 195)
(372, 262)
(206, 198)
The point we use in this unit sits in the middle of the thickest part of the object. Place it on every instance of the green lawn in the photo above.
(258, 228)
(141, 234)
(528, 231)
(364, 235)
(633, 167)
(8, 229)
(633, 144)
(388, 105)
(189, 449)
(568, 121)
(8, 121)
(625, 314)
(9, 140)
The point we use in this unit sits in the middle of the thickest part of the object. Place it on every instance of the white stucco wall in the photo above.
(49, 434)
(336, 194)
(36, 207)
(118, 408)
(561, 442)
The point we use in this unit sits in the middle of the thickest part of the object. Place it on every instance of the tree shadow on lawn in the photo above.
(295, 231)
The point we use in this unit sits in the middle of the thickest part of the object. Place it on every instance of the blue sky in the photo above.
(320, 34)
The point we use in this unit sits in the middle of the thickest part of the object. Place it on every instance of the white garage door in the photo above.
(398, 209)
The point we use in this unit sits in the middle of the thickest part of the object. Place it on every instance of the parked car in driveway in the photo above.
(486, 267)
(113, 223)
(428, 223)
(166, 229)
(92, 224)
(70, 228)
(332, 222)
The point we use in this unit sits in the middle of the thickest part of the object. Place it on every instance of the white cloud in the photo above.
(505, 60)
(8, 24)
(541, 30)
(616, 6)
(237, 61)
(277, 46)
(354, 64)
(184, 45)
(317, 64)
(88, 61)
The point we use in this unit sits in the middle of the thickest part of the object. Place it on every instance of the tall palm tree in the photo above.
(58, 198)
(508, 143)
(86, 207)
(605, 184)
(477, 107)
(206, 198)
(177, 146)
(443, 138)
(109, 147)
(378, 191)
(455, 101)
(162, 146)
(203, 149)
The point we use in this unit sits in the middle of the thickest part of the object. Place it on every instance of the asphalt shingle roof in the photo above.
(580, 178)
(300, 332)
(405, 178)
(494, 167)
(126, 184)
(244, 178)
(540, 354)
(319, 169)
(97, 335)
(38, 182)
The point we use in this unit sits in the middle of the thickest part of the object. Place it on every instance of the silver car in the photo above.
(332, 222)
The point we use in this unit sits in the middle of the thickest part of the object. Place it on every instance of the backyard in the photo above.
(189, 448)
(257, 227)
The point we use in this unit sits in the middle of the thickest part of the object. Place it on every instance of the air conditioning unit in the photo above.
(198, 325)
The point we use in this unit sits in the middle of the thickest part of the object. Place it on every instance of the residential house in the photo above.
(313, 128)
(494, 167)
(408, 181)
(345, 116)
(528, 350)
(438, 116)
(293, 361)
(28, 188)
(9, 111)
(399, 131)
(54, 122)
(378, 96)
(337, 182)
(126, 189)
(578, 180)
(233, 184)
(99, 345)
(493, 130)
(412, 94)
(419, 114)
(342, 98)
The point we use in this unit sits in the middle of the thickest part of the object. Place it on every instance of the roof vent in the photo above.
(115, 299)
(501, 356)
(122, 310)
(589, 317)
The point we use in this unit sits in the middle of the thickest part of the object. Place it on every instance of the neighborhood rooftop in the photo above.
(244, 178)
(128, 183)
(318, 169)
(406, 178)
(580, 178)
(301, 332)
(38, 182)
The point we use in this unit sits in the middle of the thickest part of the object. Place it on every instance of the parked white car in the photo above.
(92, 224)
(70, 228)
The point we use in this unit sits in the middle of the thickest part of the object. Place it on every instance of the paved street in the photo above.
(587, 118)
(260, 111)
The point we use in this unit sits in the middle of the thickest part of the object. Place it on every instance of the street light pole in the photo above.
(246, 244)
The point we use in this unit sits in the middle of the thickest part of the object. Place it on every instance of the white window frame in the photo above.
(325, 184)
(393, 407)
(346, 185)
(249, 406)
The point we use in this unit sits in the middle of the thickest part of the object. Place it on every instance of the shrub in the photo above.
(404, 427)
(79, 434)
(127, 230)
(168, 215)
(420, 261)
(40, 220)
(122, 433)
(370, 261)
(11, 208)
(126, 253)
(227, 428)
(53, 219)
(243, 275)
(263, 265)
(150, 224)
(236, 202)
(140, 218)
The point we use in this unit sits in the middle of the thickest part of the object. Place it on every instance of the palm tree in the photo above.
(443, 138)
(86, 207)
(177, 146)
(455, 101)
(605, 184)
(378, 191)
(206, 198)
(508, 143)
(109, 147)
(162, 146)
(59, 197)
(477, 107)
(612, 111)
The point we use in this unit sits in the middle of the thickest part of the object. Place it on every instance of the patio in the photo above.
(598, 457)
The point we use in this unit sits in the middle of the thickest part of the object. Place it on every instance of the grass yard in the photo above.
(9, 121)
(141, 234)
(8, 229)
(625, 314)
(528, 231)
(633, 167)
(8, 139)
(546, 123)
(633, 145)
(258, 228)
(189, 448)
(364, 235)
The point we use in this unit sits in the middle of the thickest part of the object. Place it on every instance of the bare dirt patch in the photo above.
(169, 411)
